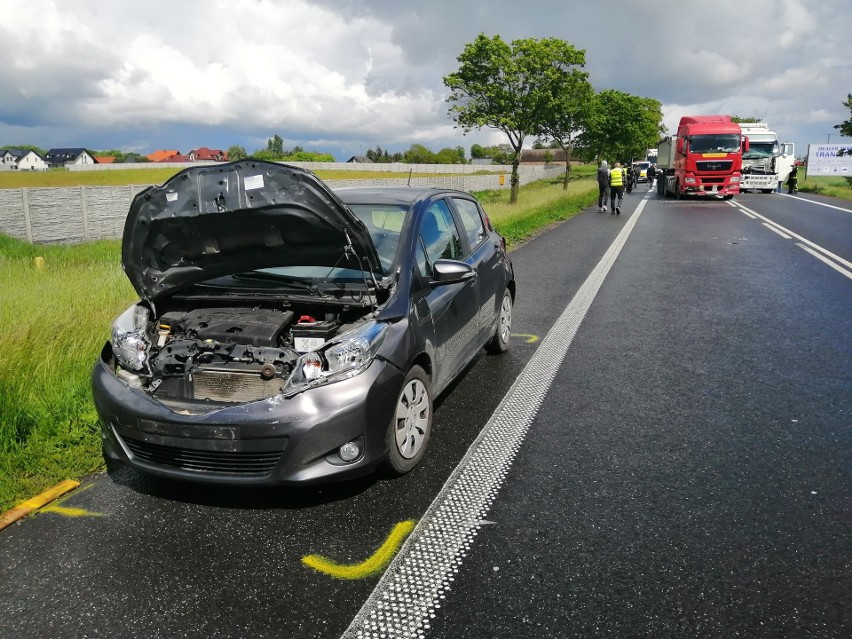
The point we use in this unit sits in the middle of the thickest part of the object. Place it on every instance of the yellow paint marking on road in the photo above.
(370, 567)
(530, 338)
(39, 501)
(69, 512)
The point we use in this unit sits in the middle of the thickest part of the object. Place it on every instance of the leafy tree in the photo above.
(419, 154)
(237, 152)
(26, 147)
(267, 155)
(620, 126)
(309, 156)
(477, 151)
(275, 145)
(845, 128)
(508, 87)
(750, 120)
(450, 156)
(570, 109)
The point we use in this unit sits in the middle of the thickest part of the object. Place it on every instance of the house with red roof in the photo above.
(203, 154)
(162, 154)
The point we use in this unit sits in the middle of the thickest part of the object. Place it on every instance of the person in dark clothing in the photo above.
(631, 178)
(793, 180)
(651, 172)
(603, 185)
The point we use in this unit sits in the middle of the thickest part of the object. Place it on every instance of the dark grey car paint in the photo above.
(440, 326)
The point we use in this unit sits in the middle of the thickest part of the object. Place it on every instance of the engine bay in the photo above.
(235, 354)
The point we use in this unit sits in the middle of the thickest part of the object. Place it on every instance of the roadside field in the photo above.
(56, 318)
(119, 177)
(832, 186)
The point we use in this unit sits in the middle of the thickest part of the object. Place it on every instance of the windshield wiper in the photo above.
(293, 282)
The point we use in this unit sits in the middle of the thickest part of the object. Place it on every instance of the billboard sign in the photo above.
(830, 159)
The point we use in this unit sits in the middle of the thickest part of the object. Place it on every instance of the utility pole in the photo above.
(828, 140)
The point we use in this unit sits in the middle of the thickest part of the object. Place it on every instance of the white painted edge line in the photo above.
(745, 213)
(773, 229)
(417, 579)
(799, 237)
(836, 267)
(804, 199)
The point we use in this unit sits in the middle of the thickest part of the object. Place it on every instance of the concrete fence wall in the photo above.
(391, 167)
(71, 215)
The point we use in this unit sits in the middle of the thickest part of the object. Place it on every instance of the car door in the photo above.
(486, 257)
(454, 308)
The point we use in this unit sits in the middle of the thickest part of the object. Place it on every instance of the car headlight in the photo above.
(341, 358)
(689, 180)
(130, 341)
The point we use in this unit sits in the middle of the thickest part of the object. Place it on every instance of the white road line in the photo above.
(804, 199)
(412, 587)
(837, 268)
(774, 230)
(746, 213)
(799, 237)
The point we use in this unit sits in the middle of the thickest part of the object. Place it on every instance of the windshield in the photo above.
(384, 222)
(715, 143)
(759, 150)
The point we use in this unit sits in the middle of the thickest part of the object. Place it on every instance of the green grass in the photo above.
(54, 321)
(831, 186)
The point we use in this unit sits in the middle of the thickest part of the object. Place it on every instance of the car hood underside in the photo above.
(216, 220)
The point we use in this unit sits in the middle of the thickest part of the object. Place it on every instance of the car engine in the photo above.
(234, 354)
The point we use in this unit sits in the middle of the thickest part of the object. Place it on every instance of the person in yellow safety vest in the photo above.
(617, 178)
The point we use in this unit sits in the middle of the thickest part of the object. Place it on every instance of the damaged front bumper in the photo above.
(268, 442)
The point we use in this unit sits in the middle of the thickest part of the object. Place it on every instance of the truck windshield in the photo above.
(759, 150)
(719, 143)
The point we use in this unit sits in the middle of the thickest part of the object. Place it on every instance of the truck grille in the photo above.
(232, 463)
(715, 165)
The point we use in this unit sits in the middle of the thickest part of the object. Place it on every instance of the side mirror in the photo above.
(745, 144)
(451, 272)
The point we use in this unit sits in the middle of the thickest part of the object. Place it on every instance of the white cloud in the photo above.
(354, 74)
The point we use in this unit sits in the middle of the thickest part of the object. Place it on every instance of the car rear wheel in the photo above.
(499, 343)
(411, 424)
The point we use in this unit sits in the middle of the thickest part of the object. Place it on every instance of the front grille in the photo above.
(239, 463)
(717, 165)
(224, 385)
(709, 180)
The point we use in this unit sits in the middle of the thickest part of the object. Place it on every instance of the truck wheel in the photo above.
(766, 190)
(677, 191)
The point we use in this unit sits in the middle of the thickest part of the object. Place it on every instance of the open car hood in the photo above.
(215, 220)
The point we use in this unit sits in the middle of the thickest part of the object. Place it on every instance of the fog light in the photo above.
(350, 451)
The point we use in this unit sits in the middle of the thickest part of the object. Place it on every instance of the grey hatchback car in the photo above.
(289, 333)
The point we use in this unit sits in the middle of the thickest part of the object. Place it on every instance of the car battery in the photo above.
(309, 336)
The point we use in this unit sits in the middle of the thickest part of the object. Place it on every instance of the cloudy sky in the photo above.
(341, 76)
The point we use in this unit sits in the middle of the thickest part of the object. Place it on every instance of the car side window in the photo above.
(439, 233)
(471, 220)
(421, 260)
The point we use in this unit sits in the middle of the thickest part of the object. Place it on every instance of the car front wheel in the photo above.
(499, 343)
(411, 424)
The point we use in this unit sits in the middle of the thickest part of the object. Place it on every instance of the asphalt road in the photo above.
(687, 472)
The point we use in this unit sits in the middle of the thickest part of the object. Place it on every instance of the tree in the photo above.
(450, 156)
(750, 120)
(419, 154)
(570, 113)
(620, 126)
(845, 127)
(477, 151)
(237, 152)
(508, 87)
(275, 145)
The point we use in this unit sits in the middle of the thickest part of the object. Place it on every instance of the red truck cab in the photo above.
(704, 158)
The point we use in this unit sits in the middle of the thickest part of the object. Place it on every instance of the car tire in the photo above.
(411, 424)
(499, 342)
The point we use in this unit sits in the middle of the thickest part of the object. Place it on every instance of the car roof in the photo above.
(393, 195)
